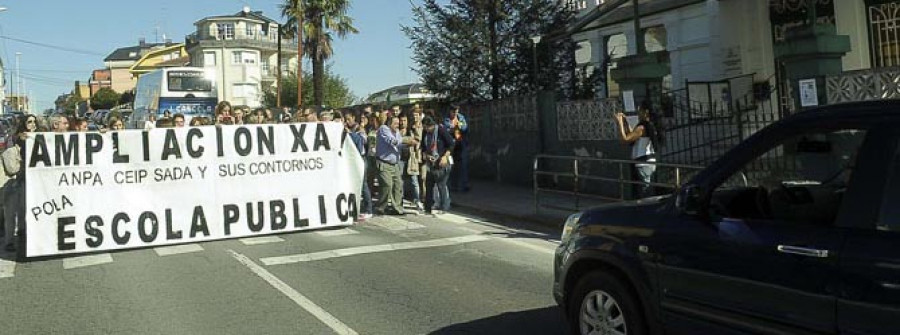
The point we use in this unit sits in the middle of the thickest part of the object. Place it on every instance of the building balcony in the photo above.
(241, 40)
(268, 72)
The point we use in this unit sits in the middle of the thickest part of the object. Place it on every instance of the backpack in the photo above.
(12, 161)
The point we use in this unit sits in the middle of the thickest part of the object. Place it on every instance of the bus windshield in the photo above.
(188, 81)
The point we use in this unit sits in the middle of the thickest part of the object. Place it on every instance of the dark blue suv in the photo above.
(794, 231)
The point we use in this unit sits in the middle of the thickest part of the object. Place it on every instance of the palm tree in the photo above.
(319, 20)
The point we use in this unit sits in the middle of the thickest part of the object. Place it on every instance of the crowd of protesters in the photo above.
(410, 155)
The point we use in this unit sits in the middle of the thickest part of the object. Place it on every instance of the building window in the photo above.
(243, 57)
(209, 59)
(251, 30)
(236, 57)
(884, 33)
(226, 31)
(264, 65)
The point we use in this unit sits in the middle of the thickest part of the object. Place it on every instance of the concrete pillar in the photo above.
(598, 56)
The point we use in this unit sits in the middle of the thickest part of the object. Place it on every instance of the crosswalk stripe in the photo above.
(84, 261)
(336, 232)
(178, 249)
(261, 240)
(7, 268)
(317, 256)
(395, 224)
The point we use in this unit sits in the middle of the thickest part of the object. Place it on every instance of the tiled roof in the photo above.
(130, 53)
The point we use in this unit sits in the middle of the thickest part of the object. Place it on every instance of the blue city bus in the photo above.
(189, 91)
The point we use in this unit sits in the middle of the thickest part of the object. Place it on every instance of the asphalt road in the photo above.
(455, 274)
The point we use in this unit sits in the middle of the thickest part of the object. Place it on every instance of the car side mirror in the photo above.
(689, 200)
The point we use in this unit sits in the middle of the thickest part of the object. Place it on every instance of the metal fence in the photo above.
(588, 120)
(564, 176)
(704, 121)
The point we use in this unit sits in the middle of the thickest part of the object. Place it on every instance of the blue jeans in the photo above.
(413, 190)
(366, 204)
(644, 174)
(437, 195)
(459, 179)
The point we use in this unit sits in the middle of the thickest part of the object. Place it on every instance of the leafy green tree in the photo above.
(70, 106)
(482, 49)
(321, 20)
(337, 92)
(105, 98)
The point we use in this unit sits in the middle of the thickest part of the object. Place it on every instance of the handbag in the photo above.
(12, 161)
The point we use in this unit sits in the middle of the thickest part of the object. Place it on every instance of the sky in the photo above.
(375, 59)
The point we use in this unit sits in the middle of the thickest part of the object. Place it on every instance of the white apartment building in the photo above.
(243, 50)
(709, 40)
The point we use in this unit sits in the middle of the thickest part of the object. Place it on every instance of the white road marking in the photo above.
(7, 268)
(302, 301)
(261, 240)
(83, 261)
(394, 224)
(523, 243)
(549, 246)
(316, 256)
(336, 232)
(458, 218)
(178, 249)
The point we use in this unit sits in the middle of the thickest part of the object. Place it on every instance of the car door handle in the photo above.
(787, 249)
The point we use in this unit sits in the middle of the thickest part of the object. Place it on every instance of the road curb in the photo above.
(544, 221)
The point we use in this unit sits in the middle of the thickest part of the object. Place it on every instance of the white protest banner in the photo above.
(129, 189)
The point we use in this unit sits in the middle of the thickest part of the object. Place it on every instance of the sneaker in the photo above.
(419, 206)
(438, 212)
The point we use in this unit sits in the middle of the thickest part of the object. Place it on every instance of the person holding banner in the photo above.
(178, 120)
(389, 142)
(358, 137)
(59, 123)
(644, 138)
(116, 124)
(14, 189)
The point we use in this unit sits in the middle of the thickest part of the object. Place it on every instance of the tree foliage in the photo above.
(105, 98)
(70, 106)
(336, 91)
(322, 21)
(482, 49)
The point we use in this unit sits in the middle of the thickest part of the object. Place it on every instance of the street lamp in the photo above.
(534, 70)
(18, 90)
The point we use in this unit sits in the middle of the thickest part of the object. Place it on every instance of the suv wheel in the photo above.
(601, 305)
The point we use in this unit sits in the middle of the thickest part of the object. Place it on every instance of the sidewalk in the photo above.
(514, 202)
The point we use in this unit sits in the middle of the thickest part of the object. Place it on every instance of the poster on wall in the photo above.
(90, 192)
(808, 95)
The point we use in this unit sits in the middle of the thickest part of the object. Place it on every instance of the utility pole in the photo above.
(299, 56)
(638, 34)
(278, 72)
(18, 92)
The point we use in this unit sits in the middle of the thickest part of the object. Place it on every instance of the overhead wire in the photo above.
(50, 46)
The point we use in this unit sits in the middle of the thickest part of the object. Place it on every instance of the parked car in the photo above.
(794, 231)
